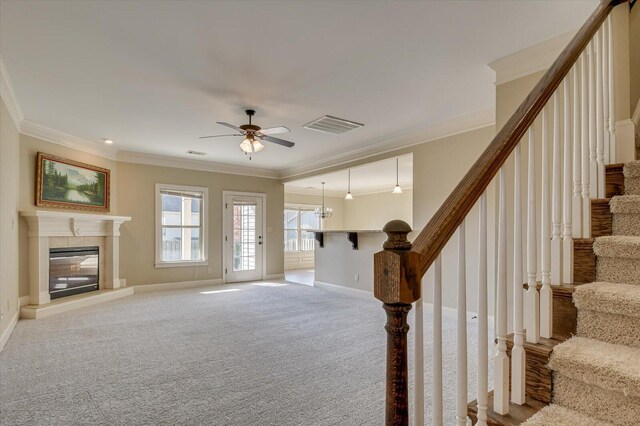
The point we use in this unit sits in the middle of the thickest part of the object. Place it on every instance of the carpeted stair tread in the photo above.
(613, 298)
(632, 178)
(625, 204)
(557, 415)
(620, 246)
(608, 366)
(626, 214)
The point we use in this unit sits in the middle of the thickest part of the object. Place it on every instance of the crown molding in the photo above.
(192, 164)
(9, 97)
(477, 120)
(41, 132)
(538, 57)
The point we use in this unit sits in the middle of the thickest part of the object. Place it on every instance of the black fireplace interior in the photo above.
(72, 270)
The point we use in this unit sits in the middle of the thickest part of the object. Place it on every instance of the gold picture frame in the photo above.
(70, 184)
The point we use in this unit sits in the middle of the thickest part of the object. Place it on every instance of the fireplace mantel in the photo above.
(48, 229)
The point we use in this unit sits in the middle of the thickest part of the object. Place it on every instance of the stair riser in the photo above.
(632, 185)
(626, 224)
(596, 402)
(618, 270)
(607, 327)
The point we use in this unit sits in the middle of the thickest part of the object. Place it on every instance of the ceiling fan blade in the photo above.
(231, 126)
(274, 130)
(277, 140)
(219, 136)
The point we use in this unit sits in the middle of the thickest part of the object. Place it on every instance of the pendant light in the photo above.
(397, 189)
(324, 212)
(349, 196)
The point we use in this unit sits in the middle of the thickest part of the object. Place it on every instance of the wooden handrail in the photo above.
(435, 235)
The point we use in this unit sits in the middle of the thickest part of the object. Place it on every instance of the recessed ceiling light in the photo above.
(108, 141)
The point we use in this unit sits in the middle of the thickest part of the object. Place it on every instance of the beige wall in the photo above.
(9, 175)
(372, 211)
(634, 59)
(29, 147)
(132, 194)
(136, 197)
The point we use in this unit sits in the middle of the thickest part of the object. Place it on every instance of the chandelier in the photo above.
(324, 212)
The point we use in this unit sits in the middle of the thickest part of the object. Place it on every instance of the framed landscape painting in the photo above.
(71, 184)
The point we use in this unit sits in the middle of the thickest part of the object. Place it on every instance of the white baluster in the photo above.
(518, 357)
(437, 343)
(418, 401)
(483, 333)
(461, 371)
(599, 116)
(577, 156)
(593, 163)
(612, 121)
(501, 360)
(546, 307)
(567, 233)
(533, 298)
(605, 92)
(585, 138)
(556, 197)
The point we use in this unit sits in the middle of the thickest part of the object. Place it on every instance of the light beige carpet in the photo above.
(597, 372)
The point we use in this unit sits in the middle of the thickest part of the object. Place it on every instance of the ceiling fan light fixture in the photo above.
(257, 146)
(246, 146)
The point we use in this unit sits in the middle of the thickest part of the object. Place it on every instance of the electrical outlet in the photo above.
(357, 278)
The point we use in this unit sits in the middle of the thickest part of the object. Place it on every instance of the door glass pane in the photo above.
(244, 236)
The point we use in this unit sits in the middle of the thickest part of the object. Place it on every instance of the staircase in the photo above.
(596, 374)
(566, 348)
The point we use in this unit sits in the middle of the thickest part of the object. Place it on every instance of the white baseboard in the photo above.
(147, 288)
(343, 289)
(274, 277)
(4, 338)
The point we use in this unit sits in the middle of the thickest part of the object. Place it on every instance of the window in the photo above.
(181, 219)
(296, 222)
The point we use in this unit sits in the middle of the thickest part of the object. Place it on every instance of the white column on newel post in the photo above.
(532, 322)
(556, 197)
(501, 360)
(577, 156)
(546, 293)
(567, 232)
(599, 116)
(585, 137)
(518, 357)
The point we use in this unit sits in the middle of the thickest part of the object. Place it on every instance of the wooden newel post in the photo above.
(397, 284)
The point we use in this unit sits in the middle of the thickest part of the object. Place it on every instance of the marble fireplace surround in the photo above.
(54, 229)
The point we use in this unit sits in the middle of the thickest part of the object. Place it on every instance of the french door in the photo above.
(243, 237)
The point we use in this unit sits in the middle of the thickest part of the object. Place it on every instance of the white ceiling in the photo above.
(378, 176)
(155, 75)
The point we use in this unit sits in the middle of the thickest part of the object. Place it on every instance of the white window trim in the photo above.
(159, 263)
(292, 206)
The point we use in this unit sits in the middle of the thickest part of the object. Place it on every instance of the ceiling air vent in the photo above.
(196, 152)
(333, 125)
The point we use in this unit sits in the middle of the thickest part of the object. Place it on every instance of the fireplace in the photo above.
(73, 270)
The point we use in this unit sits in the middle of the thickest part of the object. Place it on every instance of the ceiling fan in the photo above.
(253, 135)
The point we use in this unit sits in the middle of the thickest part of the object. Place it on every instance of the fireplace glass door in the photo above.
(72, 271)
